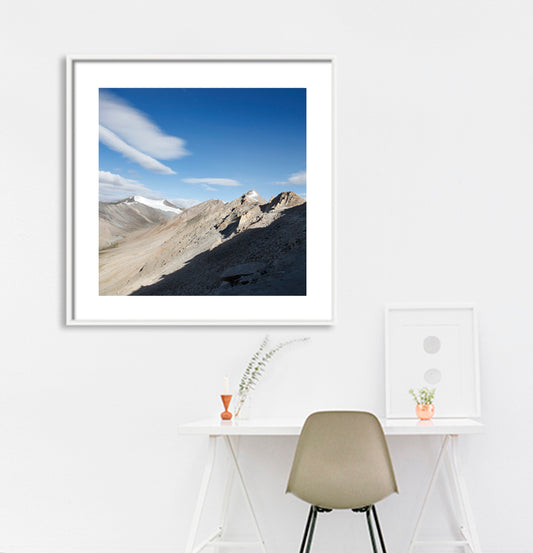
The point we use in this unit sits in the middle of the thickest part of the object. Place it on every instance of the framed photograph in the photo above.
(433, 346)
(199, 190)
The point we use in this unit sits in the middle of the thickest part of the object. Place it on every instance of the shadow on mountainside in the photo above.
(279, 249)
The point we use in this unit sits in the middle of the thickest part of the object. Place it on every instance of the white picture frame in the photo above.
(435, 346)
(85, 76)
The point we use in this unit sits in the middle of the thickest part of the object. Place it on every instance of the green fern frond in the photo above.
(256, 368)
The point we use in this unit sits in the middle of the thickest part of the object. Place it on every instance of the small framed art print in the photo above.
(433, 346)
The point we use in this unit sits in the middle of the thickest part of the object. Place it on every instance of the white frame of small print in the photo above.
(85, 75)
(435, 346)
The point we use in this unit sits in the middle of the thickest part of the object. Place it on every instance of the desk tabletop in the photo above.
(292, 427)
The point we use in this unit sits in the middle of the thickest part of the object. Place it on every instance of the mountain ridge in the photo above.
(149, 255)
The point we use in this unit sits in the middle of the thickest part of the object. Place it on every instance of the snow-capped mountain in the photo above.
(253, 195)
(117, 219)
(162, 205)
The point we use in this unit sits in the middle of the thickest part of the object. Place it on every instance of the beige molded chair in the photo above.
(342, 462)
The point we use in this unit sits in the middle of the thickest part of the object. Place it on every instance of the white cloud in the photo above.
(299, 178)
(136, 129)
(114, 187)
(213, 181)
(296, 179)
(111, 140)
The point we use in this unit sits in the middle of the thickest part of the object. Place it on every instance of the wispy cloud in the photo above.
(130, 132)
(136, 129)
(213, 181)
(111, 140)
(114, 187)
(296, 179)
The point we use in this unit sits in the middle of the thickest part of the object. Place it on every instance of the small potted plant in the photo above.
(424, 402)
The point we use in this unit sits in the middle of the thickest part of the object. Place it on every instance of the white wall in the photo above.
(435, 130)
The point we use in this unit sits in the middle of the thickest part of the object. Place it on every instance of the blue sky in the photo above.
(201, 143)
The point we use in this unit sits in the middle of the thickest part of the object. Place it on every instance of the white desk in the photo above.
(230, 431)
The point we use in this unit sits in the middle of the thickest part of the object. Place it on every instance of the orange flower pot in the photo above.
(425, 412)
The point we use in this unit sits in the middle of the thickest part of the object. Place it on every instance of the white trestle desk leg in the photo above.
(227, 493)
(440, 458)
(202, 494)
(458, 504)
(233, 456)
(466, 509)
(470, 542)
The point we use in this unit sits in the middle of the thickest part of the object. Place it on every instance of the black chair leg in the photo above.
(380, 534)
(311, 529)
(370, 530)
(306, 532)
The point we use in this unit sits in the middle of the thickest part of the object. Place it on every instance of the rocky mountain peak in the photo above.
(254, 196)
(285, 199)
(250, 198)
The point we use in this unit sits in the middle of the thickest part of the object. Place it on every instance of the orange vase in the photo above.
(425, 412)
(226, 415)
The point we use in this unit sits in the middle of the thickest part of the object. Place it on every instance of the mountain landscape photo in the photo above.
(241, 232)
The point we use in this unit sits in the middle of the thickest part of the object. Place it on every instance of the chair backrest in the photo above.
(342, 461)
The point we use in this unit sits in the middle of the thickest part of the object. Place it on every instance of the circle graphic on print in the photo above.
(431, 344)
(432, 376)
